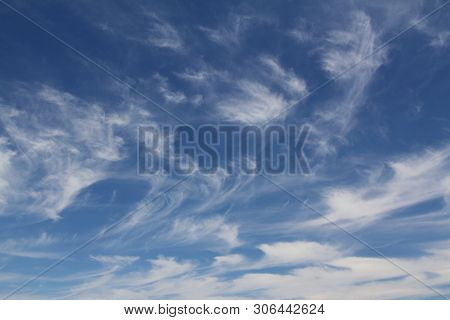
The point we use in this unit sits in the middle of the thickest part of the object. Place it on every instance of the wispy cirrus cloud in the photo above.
(6, 176)
(210, 230)
(116, 260)
(140, 25)
(252, 103)
(68, 146)
(229, 34)
(182, 217)
(286, 79)
(349, 56)
(32, 247)
(321, 271)
(259, 100)
(160, 269)
(223, 236)
(169, 95)
(162, 34)
(427, 172)
(439, 34)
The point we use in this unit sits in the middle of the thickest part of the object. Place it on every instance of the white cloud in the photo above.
(287, 79)
(300, 35)
(6, 158)
(300, 252)
(281, 254)
(262, 92)
(184, 216)
(333, 275)
(203, 75)
(217, 189)
(231, 260)
(348, 54)
(171, 96)
(119, 261)
(351, 46)
(142, 25)
(253, 95)
(57, 190)
(164, 268)
(441, 39)
(153, 215)
(351, 277)
(253, 103)
(438, 33)
(427, 172)
(194, 75)
(162, 34)
(205, 230)
(150, 283)
(229, 34)
(68, 146)
(354, 277)
(32, 247)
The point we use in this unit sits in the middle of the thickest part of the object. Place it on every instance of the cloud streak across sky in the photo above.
(379, 162)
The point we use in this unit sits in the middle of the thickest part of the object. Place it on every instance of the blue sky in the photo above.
(378, 149)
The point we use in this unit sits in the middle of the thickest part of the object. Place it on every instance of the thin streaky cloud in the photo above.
(355, 65)
(89, 242)
(377, 149)
(376, 251)
(104, 69)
